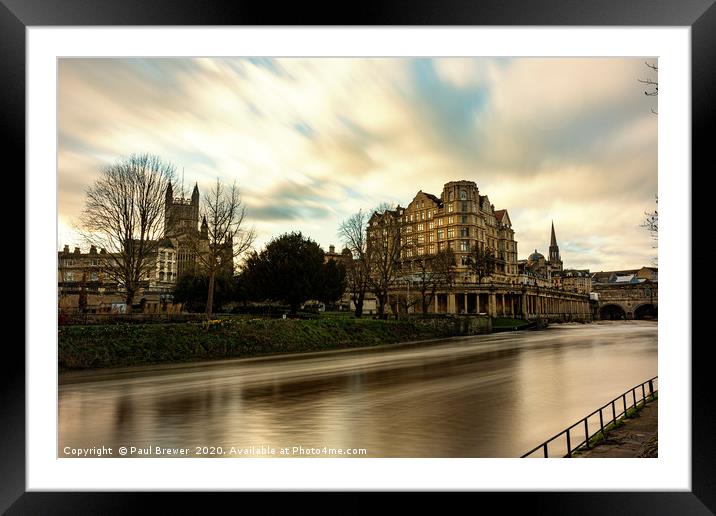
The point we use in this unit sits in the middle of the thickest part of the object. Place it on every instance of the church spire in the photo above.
(195, 195)
(554, 258)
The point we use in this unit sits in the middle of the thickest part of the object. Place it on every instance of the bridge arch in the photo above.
(645, 311)
(612, 312)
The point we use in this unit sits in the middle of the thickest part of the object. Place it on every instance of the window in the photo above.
(451, 233)
(421, 239)
(421, 227)
(431, 237)
(431, 225)
(422, 215)
(450, 196)
(94, 262)
(451, 207)
(463, 195)
(69, 263)
(463, 206)
(464, 245)
(441, 222)
(440, 234)
(161, 276)
(464, 219)
(409, 229)
(421, 250)
(431, 248)
(430, 214)
(441, 246)
(69, 276)
(411, 217)
(464, 232)
(451, 220)
(94, 276)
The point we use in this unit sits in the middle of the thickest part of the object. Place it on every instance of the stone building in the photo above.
(85, 274)
(187, 236)
(460, 219)
(573, 280)
(84, 284)
(541, 271)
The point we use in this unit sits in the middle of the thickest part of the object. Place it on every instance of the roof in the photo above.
(434, 198)
(535, 256)
(499, 214)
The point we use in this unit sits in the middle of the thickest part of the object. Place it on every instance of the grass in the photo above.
(119, 345)
(600, 436)
(507, 322)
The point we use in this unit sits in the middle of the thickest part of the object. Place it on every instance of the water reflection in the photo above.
(485, 396)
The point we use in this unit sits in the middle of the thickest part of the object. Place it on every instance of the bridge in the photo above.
(626, 301)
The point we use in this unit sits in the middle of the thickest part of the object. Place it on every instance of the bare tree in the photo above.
(124, 214)
(652, 84)
(482, 262)
(222, 236)
(432, 272)
(353, 233)
(651, 224)
(384, 247)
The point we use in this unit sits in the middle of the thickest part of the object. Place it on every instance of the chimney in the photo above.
(77, 250)
(331, 249)
(93, 250)
(66, 249)
(103, 251)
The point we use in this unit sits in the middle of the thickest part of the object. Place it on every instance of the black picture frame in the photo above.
(16, 15)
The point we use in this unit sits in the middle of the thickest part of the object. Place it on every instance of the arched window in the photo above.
(463, 195)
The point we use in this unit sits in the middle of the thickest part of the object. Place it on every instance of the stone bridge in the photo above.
(626, 301)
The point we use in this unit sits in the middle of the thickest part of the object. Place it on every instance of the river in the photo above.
(493, 395)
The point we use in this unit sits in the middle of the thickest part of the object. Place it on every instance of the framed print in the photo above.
(517, 155)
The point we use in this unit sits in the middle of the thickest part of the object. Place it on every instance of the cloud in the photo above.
(309, 141)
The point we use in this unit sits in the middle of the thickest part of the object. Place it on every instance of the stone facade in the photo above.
(573, 280)
(182, 229)
(462, 219)
(627, 294)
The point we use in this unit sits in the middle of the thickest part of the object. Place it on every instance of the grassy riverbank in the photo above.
(119, 345)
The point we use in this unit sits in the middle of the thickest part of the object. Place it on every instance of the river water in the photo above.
(493, 395)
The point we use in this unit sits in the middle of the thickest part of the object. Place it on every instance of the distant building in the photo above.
(82, 276)
(86, 276)
(573, 280)
(182, 229)
(542, 271)
(632, 276)
(460, 219)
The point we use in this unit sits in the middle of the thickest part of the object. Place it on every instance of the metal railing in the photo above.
(602, 428)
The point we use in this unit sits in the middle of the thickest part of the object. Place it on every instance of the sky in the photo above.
(311, 141)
